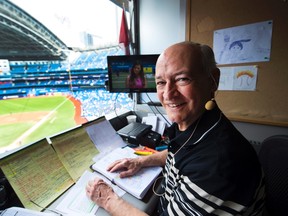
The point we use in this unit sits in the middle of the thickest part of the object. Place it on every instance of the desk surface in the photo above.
(147, 204)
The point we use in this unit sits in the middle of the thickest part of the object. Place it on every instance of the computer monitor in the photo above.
(120, 69)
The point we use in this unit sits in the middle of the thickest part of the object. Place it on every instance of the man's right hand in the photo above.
(126, 167)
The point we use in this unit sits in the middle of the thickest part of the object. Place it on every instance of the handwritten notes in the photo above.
(36, 175)
(76, 150)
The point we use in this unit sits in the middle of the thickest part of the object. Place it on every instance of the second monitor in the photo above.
(134, 73)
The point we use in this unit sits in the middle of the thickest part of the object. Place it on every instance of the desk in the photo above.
(60, 144)
(101, 127)
(147, 204)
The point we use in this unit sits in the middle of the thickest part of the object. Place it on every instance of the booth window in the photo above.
(59, 81)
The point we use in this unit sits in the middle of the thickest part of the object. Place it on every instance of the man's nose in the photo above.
(170, 91)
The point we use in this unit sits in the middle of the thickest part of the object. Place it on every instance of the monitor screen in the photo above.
(134, 73)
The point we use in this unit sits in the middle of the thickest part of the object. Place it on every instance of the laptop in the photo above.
(134, 130)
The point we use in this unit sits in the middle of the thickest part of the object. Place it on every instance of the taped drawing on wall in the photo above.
(242, 44)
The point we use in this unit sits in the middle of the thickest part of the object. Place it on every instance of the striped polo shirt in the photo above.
(216, 172)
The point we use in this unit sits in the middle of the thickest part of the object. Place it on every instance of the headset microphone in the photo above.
(210, 104)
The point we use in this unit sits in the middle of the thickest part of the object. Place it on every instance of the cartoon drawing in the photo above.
(236, 48)
(246, 43)
(238, 45)
(244, 78)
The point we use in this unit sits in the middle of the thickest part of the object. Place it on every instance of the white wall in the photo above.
(161, 24)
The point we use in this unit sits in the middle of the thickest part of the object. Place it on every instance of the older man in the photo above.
(209, 167)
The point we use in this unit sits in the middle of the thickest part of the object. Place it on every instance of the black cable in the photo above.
(115, 103)
(149, 107)
(167, 121)
(115, 110)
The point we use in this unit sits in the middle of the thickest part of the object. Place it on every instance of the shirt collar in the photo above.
(207, 122)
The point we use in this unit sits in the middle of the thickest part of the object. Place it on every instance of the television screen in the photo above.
(134, 73)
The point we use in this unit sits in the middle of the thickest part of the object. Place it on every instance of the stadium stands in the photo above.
(83, 78)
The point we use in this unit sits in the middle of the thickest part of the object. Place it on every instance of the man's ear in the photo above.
(215, 76)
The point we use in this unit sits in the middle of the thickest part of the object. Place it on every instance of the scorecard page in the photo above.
(37, 175)
(76, 151)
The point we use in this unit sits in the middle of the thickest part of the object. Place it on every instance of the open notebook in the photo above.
(138, 184)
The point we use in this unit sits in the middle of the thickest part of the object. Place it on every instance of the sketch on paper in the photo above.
(242, 78)
(242, 44)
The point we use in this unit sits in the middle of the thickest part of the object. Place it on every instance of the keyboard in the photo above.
(134, 130)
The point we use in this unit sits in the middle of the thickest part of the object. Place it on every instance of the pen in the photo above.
(150, 149)
(159, 148)
(143, 153)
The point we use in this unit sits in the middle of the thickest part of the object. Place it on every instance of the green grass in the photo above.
(61, 118)
(9, 132)
(30, 104)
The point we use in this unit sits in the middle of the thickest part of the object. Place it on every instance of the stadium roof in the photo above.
(24, 38)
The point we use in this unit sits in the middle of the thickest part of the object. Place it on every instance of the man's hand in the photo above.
(99, 192)
(126, 167)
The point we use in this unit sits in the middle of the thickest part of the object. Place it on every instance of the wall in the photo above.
(203, 17)
(161, 23)
(258, 132)
(261, 113)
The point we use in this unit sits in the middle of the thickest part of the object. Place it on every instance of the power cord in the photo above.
(156, 107)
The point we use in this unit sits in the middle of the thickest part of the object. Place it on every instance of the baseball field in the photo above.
(26, 120)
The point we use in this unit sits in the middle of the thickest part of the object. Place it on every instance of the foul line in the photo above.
(17, 142)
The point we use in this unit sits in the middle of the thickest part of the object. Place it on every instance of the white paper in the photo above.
(76, 202)
(150, 120)
(24, 212)
(165, 119)
(242, 44)
(105, 138)
(241, 78)
(162, 122)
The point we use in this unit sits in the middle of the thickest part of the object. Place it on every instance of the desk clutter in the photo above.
(148, 133)
(134, 130)
(138, 133)
(42, 172)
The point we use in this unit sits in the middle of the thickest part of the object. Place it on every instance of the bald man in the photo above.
(209, 167)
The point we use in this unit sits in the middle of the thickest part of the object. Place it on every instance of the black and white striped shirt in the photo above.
(216, 173)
